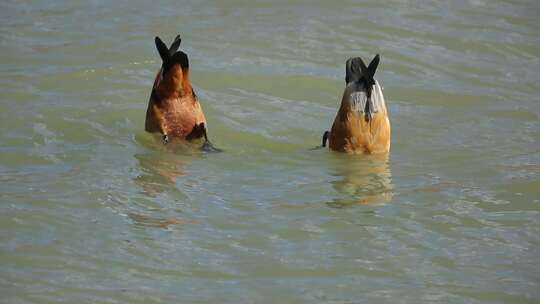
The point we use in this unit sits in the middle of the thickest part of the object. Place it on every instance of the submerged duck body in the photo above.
(361, 125)
(173, 109)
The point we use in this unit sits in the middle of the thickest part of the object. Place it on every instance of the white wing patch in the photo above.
(358, 100)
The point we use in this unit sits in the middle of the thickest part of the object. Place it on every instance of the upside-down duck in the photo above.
(361, 125)
(174, 110)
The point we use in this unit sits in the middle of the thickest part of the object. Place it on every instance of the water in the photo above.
(93, 209)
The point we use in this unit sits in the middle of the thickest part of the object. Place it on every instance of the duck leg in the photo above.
(207, 146)
(202, 127)
(325, 138)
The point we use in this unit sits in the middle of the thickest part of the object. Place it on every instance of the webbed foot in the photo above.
(207, 146)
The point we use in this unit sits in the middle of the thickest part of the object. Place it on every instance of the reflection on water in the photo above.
(363, 180)
(158, 172)
(160, 165)
(144, 220)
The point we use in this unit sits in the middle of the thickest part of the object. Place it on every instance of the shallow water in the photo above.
(93, 209)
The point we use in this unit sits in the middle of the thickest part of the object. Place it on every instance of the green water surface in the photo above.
(94, 210)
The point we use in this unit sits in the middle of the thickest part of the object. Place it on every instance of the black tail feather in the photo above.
(175, 45)
(368, 74)
(162, 49)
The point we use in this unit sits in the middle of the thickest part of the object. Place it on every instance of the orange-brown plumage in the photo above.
(361, 125)
(352, 132)
(173, 108)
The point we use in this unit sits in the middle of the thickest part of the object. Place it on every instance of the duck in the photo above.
(174, 110)
(362, 124)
